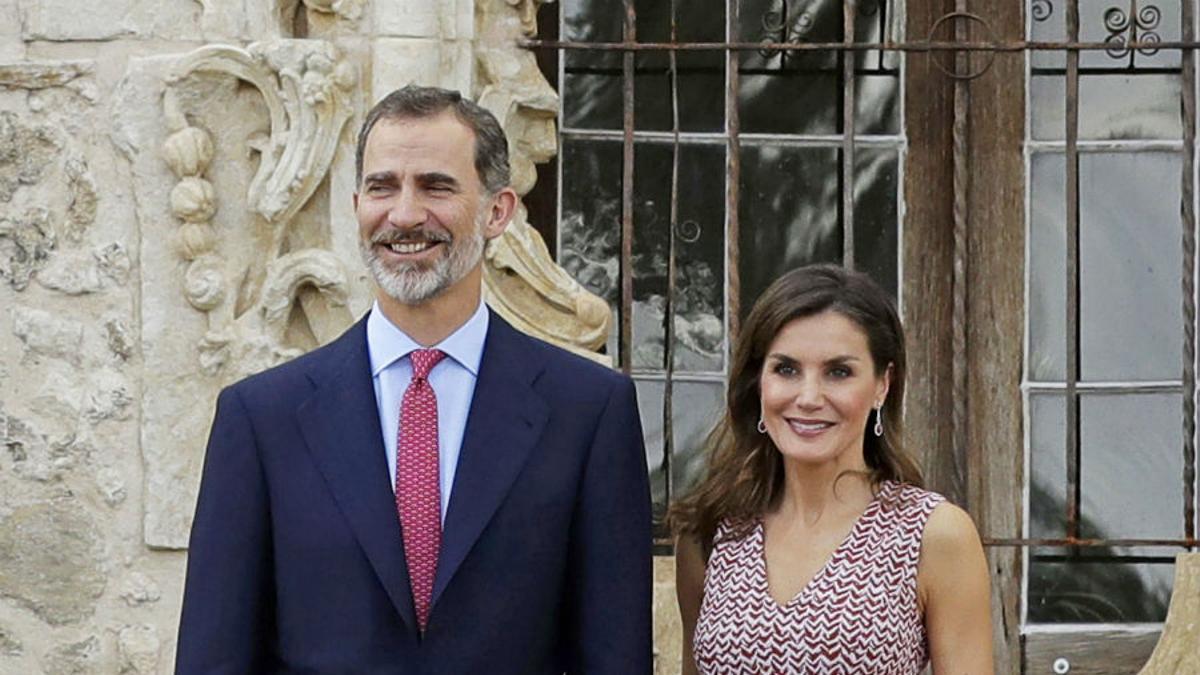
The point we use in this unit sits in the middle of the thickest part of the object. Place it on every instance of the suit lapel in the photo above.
(340, 423)
(504, 424)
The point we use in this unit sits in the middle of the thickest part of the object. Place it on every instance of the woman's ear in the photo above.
(883, 385)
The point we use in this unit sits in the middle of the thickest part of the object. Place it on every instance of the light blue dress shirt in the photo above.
(452, 379)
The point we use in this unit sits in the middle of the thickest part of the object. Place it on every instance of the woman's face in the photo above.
(817, 387)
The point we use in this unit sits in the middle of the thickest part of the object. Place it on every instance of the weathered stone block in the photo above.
(138, 649)
(60, 20)
(73, 658)
(139, 589)
(11, 46)
(111, 485)
(27, 152)
(25, 243)
(116, 335)
(9, 644)
(47, 335)
(51, 562)
(34, 75)
(108, 397)
(428, 62)
(33, 456)
(71, 273)
(412, 18)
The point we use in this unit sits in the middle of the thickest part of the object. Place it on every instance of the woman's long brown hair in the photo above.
(744, 477)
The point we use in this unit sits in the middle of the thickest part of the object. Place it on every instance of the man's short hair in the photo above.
(415, 102)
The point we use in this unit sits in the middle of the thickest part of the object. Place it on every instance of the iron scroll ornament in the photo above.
(1136, 25)
(1041, 10)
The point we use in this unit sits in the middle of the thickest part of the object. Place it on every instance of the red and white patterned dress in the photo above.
(858, 615)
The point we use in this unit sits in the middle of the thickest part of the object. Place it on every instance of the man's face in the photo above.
(423, 214)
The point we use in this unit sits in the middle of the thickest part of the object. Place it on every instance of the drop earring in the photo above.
(879, 419)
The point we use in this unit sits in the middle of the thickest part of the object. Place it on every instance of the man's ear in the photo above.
(354, 198)
(501, 207)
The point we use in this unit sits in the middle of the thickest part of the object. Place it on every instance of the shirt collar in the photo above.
(386, 343)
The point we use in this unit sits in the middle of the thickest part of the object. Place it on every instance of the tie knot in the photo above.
(423, 361)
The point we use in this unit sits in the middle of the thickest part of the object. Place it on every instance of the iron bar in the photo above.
(721, 138)
(1072, 319)
(625, 340)
(958, 316)
(849, 12)
(1069, 542)
(733, 176)
(1188, 215)
(669, 305)
(1098, 559)
(1094, 70)
(712, 70)
(905, 46)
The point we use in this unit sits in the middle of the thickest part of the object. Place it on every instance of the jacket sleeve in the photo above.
(226, 624)
(609, 600)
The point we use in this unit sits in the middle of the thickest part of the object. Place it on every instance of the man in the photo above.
(432, 492)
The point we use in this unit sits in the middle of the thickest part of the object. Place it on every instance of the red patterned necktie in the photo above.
(418, 499)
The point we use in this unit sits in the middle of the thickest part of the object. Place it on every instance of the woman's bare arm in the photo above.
(689, 590)
(953, 587)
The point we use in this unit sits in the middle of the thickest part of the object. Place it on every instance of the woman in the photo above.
(823, 553)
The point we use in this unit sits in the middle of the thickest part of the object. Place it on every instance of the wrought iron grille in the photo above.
(786, 35)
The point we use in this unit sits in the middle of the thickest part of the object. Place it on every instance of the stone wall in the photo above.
(175, 181)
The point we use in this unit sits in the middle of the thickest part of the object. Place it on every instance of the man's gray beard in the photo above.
(413, 285)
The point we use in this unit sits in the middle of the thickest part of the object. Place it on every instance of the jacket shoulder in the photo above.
(296, 375)
(569, 378)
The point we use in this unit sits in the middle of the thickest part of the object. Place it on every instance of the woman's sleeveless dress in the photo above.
(858, 614)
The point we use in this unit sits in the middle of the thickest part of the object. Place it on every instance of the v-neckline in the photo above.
(870, 509)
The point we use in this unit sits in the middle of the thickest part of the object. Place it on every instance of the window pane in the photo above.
(592, 82)
(1131, 304)
(1047, 269)
(1132, 466)
(1115, 106)
(877, 105)
(592, 91)
(1130, 480)
(801, 92)
(1047, 466)
(790, 213)
(701, 73)
(591, 243)
(700, 250)
(1098, 590)
(696, 406)
(876, 215)
(1130, 310)
(789, 92)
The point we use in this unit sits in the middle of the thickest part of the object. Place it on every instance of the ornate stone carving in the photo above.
(249, 299)
(522, 281)
(346, 9)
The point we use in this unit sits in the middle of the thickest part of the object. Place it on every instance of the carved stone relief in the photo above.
(522, 281)
(248, 301)
(229, 149)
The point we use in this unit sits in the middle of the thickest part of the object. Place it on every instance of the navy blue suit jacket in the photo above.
(296, 562)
